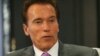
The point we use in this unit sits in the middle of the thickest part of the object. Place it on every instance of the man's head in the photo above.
(41, 24)
(28, 3)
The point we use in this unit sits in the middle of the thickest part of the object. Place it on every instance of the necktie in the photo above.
(45, 54)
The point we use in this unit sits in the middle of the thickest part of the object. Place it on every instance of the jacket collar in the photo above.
(30, 51)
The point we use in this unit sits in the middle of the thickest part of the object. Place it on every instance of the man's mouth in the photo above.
(47, 37)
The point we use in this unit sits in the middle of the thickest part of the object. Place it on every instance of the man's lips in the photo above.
(47, 37)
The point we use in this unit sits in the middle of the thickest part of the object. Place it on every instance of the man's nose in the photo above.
(46, 27)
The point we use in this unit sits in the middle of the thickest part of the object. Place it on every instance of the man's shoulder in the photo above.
(79, 50)
(72, 46)
(20, 51)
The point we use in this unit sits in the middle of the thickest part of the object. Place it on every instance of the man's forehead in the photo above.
(39, 6)
(38, 10)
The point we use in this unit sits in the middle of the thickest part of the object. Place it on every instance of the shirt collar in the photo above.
(37, 51)
(53, 51)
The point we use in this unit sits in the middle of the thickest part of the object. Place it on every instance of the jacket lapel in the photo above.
(62, 50)
(29, 52)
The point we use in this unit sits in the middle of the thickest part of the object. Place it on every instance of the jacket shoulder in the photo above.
(77, 50)
(19, 52)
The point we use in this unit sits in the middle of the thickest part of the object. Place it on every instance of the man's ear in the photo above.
(25, 28)
(58, 27)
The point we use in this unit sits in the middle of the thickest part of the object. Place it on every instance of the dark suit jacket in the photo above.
(64, 50)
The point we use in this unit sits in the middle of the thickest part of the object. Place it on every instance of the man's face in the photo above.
(42, 26)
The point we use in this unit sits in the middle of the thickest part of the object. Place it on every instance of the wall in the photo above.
(78, 22)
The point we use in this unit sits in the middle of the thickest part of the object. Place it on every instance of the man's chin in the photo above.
(46, 44)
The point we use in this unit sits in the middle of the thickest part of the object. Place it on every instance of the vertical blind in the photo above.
(1, 33)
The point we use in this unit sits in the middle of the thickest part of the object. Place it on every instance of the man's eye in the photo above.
(38, 22)
(52, 20)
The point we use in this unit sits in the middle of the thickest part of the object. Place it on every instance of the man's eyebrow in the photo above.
(37, 19)
(41, 18)
(52, 17)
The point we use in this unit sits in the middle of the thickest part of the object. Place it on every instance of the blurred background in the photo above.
(79, 24)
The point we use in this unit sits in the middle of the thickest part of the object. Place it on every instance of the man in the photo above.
(40, 23)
